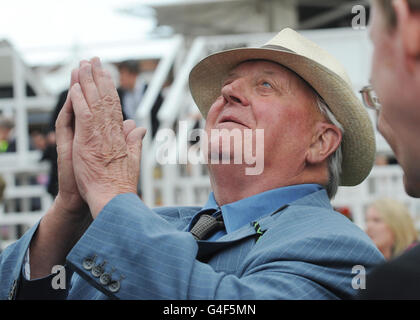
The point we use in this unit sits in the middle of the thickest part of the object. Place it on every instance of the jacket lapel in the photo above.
(207, 249)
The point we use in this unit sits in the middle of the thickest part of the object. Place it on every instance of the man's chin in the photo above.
(412, 186)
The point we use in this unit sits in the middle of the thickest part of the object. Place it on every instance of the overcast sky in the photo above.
(44, 23)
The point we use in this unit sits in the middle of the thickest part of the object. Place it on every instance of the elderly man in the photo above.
(272, 235)
(395, 33)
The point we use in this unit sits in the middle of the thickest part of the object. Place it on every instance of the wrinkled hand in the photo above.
(106, 152)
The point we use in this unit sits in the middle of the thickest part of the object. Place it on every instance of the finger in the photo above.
(103, 80)
(82, 112)
(64, 123)
(87, 83)
(128, 126)
(74, 77)
(106, 89)
(134, 142)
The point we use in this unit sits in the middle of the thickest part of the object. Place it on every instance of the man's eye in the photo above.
(266, 84)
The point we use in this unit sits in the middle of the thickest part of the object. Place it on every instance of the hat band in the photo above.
(273, 46)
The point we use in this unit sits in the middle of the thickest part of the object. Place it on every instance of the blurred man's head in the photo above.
(395, 76)
(128, 71)
(6, 126)
(39, 140)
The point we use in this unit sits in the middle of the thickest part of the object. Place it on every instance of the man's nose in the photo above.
(235, 92)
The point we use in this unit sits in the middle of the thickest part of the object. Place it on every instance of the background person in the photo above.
(7, 141)
(395, 76)
(390, 226)
(131, 91)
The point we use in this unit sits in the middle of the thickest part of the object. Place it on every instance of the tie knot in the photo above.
(207, 225)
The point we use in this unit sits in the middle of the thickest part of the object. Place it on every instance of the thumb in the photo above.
(63, 124)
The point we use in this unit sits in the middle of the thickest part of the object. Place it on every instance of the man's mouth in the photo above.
(231, 119)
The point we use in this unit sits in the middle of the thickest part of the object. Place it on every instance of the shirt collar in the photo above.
(239, 213)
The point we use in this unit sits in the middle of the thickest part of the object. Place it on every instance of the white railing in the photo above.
(383, 181)
(24, 199)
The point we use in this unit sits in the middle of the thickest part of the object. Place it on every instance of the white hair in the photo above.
(335, 159)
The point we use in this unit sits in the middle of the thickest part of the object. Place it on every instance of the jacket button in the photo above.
(114, 286)
(98, 270)
(89, 262)
(105, 279)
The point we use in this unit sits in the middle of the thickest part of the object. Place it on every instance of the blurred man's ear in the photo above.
(408, 29)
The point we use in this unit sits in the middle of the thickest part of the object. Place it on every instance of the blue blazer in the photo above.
(304, 251)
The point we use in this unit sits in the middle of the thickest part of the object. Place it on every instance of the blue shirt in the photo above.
(244, 211)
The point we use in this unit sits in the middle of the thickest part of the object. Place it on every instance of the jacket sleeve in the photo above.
(147, 258)
(14, 285)
(11, 265)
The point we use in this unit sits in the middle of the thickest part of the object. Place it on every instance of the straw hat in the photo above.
(317, 67)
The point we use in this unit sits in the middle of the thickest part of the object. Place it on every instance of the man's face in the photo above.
(264, 95)
(4, 134)
(383, 59)
(399, 116)
(127, 79)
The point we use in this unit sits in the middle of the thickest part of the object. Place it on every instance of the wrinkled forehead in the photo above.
(263, 66)
(291, 79)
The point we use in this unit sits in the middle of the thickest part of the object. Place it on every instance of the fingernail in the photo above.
(96, 61)
(77, 87)
(83, 62)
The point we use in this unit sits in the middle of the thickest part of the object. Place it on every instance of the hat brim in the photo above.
(358, 143)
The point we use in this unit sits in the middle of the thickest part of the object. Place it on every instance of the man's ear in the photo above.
(325, 142)
(408, 29)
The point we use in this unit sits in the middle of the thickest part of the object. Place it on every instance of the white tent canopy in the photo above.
(216, 17)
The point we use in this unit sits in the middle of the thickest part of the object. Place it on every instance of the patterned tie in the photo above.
(207, 225)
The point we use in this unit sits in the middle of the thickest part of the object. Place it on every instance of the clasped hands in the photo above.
(98, 153)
